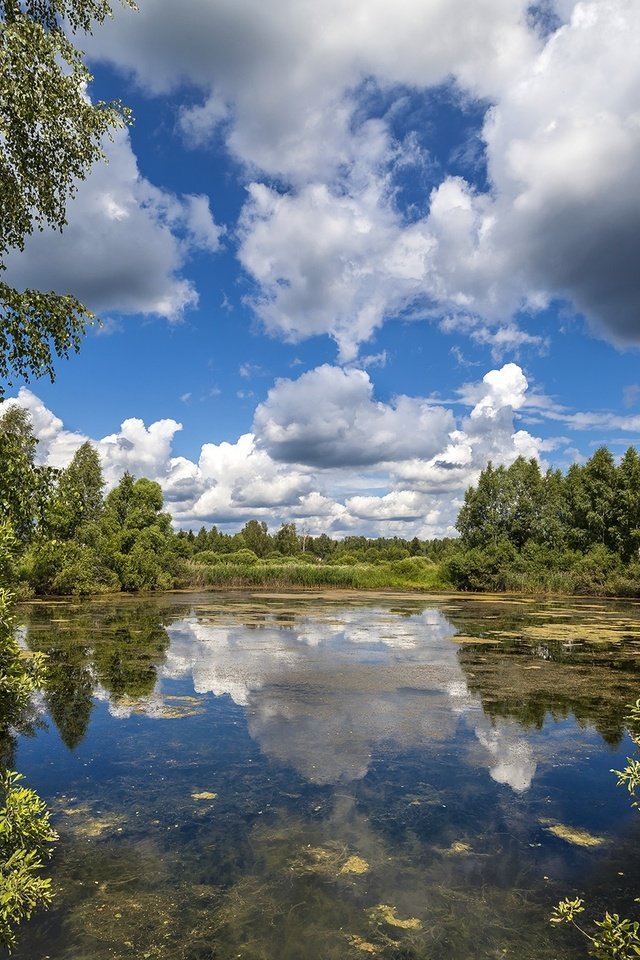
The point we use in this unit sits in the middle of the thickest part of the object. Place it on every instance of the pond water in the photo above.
(291, 777)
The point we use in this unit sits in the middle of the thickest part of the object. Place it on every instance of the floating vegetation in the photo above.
(458, 849)
(363, 945)
(383, 913)
(581, 838)
(467, 638)
(204, 795)
(354, 865)
(595, 631)
(330, 862)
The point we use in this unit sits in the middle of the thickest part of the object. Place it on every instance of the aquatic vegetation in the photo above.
(363, 945)
(385, 914)
(330, 861)
(458, 849)
(580, 837)
(354, 864)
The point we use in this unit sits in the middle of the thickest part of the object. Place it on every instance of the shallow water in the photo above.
(275, 777)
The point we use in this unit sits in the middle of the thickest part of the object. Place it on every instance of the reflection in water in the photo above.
(327, 692)
(330, 779)
(96, 651)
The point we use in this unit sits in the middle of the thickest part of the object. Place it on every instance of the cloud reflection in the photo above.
(325, 692)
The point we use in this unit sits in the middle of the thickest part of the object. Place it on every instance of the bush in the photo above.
(25, 842)
(244, 556)
(207, 556)
(482, 568)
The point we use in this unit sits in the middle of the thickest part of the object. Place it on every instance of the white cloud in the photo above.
(285, 71)
(328, 418)
(333, 255)
(56, 445)
(140, 450)
(125, 243)
(324, 453)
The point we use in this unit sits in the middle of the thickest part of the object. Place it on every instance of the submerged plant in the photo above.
(613, 937)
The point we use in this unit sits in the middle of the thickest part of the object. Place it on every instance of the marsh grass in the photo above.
(414, 573)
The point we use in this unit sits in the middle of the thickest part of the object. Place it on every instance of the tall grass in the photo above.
(414, 573)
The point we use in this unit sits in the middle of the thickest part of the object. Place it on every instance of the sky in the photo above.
(348, 253)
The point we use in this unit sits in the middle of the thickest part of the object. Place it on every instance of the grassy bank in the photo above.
(415, 573)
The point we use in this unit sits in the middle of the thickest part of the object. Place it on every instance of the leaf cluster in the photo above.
(26, 837)
(51, 134)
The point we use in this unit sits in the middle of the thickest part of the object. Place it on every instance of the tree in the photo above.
(481, 518)
(256, 537)
(17, 475)
(591, 492)
(286, 540)
(142, 547)
(78, 499)
(627, 506)
(25, 489)
(50, 136)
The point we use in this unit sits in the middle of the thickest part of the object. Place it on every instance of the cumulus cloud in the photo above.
(563, 146)
(125, 243)
(330, 251)
(140, 450)
(56, 444)
(325, 453)
(286, 71)
(328, 417)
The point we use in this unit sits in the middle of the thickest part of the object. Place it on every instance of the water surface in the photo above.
(275, 777)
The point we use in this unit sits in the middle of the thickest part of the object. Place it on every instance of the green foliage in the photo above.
(25, 842)
(50, 136)
(524, 531)
(25, 833)
(243, 557)
(482, 568)
(78, 499)
(286, 539)
(66, 568)
(256, 537)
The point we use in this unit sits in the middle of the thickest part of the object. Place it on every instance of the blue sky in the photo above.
(350, 252)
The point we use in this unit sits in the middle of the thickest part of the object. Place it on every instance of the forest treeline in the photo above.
(525, 530)
(520, 529)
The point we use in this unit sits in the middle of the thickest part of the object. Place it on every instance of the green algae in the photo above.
(385, 914)
(575, 835)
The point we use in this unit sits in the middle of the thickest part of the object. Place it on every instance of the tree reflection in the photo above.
(118, 649)
(520, 683)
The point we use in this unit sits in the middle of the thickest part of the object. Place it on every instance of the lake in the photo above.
(283, 777)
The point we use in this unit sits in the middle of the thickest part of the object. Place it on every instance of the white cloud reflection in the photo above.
(325, 692)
